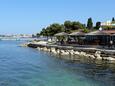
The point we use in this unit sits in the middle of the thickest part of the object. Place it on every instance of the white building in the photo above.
(107, 23)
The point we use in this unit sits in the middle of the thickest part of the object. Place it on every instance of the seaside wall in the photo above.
(96, 54)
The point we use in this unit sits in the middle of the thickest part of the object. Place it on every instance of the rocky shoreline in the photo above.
(92, 53)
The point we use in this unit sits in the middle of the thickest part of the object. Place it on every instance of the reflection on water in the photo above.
(28, 67)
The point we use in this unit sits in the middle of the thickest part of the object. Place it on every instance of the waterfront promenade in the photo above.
(92, 52)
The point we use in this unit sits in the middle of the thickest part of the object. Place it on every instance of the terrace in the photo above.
(96, 38)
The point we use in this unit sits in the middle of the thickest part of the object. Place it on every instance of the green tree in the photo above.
(73, 25)
(33, 36)
(85, 30)
(55, 28)
(77, 25)
(98, 25)
(113, 19)
(43, 32)
(90, 24)
(68, 26)
(52, 29)
(38, 35)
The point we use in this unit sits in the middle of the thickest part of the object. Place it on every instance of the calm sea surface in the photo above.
(21, 66)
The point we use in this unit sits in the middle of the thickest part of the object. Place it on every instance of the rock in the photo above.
(76, 53)
(98, 55)
(83, 53)
(45, 49)
(92, 56)
(72, 52)
(53, 50)
(38, 48)
(24, 45)
(110, 59)
(98, 52)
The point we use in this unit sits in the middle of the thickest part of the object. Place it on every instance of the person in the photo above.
(62, 41)
(111, 43)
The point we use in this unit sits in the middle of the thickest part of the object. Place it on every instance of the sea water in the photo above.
(20, 66)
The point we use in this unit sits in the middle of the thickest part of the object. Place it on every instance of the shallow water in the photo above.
(20, 66)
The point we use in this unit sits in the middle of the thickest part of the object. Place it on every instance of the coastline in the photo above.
(91, 53)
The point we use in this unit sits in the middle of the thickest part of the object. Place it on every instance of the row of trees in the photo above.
(70, 26)
(52, 29)
(90, 25)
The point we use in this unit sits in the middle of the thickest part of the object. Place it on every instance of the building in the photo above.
(108, 23)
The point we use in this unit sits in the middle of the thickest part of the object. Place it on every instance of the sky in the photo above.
(30, 16)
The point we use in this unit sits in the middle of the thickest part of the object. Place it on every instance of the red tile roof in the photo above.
(109, 31)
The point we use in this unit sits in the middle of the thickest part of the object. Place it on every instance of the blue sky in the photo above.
(30, 16)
